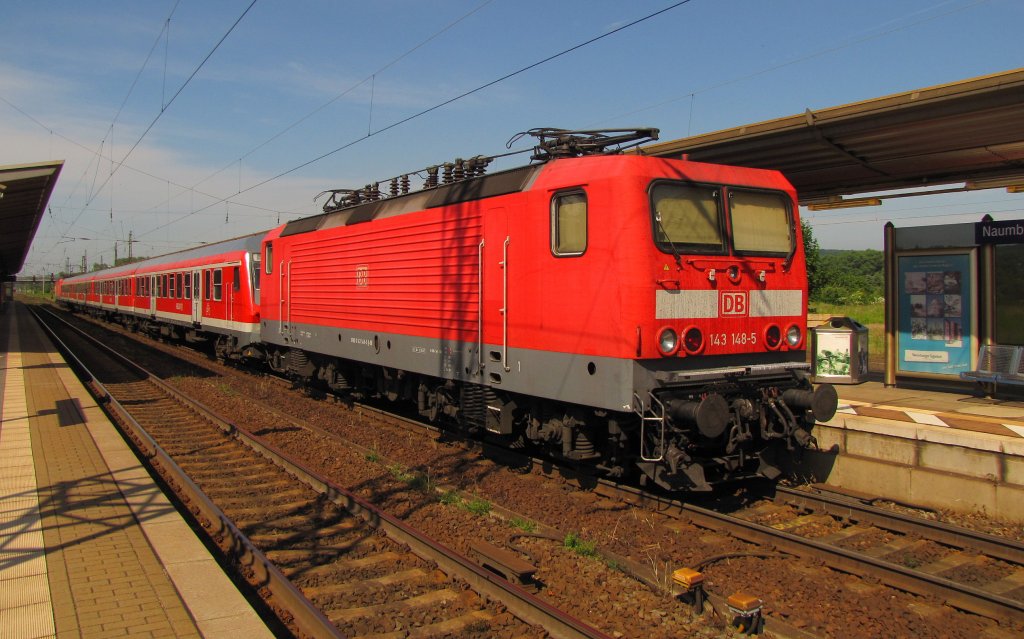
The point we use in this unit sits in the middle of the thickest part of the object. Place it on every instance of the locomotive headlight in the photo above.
(668, 341)
(794, 336)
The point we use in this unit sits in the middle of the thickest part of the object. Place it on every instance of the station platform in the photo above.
(947, 447)
(89, 545)
(955, 408)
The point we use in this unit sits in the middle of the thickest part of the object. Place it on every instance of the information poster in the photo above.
(935, 313)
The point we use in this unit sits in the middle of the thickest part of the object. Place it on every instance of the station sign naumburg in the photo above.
(1004, 232)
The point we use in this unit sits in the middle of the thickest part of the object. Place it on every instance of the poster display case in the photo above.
(937, 311)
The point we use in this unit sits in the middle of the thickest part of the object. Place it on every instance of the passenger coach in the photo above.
(209, 292)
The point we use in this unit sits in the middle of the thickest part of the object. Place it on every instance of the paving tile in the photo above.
(27, 622)
(105, 578)
(23, 591)
(17, 565)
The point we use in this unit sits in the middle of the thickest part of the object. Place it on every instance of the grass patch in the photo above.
(415, 481)
(579, 546)
(422, 483)
(373, 457)
(399, 473)
(524, 525)
(450, 498)
(477, 506)
(863, 313)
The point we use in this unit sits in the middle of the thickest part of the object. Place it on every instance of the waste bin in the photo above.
(840, 348)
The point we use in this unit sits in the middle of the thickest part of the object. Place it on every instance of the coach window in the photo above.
(236, 284)
(218, 283)
(760, 222)
(186, 292)
(687, 218)
(569, 223)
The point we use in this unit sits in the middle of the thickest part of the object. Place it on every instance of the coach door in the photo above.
(236, 297)
(152, 295)
(197, 297)
(494, 277)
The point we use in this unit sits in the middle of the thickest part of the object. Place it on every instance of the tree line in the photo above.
(842, 277)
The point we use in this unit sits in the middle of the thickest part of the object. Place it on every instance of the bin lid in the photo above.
(840, 323)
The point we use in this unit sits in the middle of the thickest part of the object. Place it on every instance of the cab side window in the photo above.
(569, 223)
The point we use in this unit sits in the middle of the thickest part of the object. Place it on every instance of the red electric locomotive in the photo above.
(626, 312)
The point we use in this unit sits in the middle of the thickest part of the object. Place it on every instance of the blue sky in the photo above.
(209, 148)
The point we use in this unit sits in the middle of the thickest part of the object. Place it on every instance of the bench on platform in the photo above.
(998, 364)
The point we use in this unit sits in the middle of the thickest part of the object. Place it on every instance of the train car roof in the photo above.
(478, 188)
(511, 181)
(248, 243)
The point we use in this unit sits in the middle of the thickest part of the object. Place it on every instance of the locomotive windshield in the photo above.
(689, 218)
(760, 222)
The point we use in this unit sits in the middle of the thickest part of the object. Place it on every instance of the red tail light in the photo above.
(772, 337)
(693, 340)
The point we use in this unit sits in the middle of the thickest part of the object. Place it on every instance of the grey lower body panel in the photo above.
(602, 382)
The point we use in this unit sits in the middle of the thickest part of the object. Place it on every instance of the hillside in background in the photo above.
(849, 277)
(842, 277)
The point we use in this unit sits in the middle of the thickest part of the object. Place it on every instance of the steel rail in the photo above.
(518, 601)
(958, 595)
(854, 509)
(236, 545)
(961, 596)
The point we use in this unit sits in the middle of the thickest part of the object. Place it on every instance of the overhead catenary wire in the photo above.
(310, 114)
(348, 90)
(437, 106)
(124, 101)
(164, 107)
(98, 155)
(116, 166)
(775, 67)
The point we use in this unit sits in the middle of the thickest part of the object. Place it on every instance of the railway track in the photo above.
(970, 570)
(974, 572)
(332, 564)
(977, 573)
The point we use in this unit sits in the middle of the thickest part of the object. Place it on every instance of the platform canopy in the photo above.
(24, 192)
(968, 131)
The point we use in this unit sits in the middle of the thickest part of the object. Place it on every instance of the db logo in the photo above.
(734, 303)
(362, 276)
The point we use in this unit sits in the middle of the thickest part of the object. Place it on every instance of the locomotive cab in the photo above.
(727, 389)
